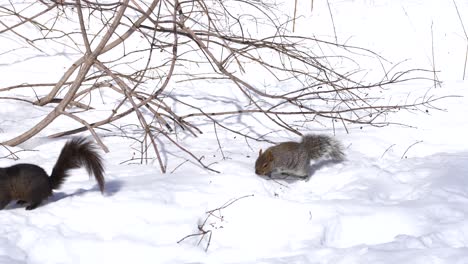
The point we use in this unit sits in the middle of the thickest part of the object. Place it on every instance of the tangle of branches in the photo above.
(149, 56)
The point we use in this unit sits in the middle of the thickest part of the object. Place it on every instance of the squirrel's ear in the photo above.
(269, 155)
(260, 153)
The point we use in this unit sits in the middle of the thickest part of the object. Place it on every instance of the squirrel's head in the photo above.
(263, 165)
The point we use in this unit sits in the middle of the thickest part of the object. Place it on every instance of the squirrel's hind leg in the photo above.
(33, 205)
(301, 173)
(4, 203)
(302, 169)
(34, 202)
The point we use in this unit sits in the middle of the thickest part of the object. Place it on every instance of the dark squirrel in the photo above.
(30, 184)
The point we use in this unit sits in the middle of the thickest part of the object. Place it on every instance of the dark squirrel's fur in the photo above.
(29, 183)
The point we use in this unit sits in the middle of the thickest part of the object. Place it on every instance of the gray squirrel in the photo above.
(293, 158)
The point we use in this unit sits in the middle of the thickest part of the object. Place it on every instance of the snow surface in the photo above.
(389, 202)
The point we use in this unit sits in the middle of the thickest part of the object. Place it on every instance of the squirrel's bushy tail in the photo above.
(319, 146)
(77, 152)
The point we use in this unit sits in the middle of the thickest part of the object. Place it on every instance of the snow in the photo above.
(401, 196)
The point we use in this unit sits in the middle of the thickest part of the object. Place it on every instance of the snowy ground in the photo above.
(389, 202)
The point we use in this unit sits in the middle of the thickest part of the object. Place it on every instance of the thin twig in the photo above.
(387, 150)
(433, 56)
(333, 21)
(178, 166)
(217, 139)
(295, 16)
(201, 227)
(466, 37)
(417, 142)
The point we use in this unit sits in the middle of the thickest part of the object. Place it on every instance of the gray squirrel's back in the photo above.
(290, 154)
